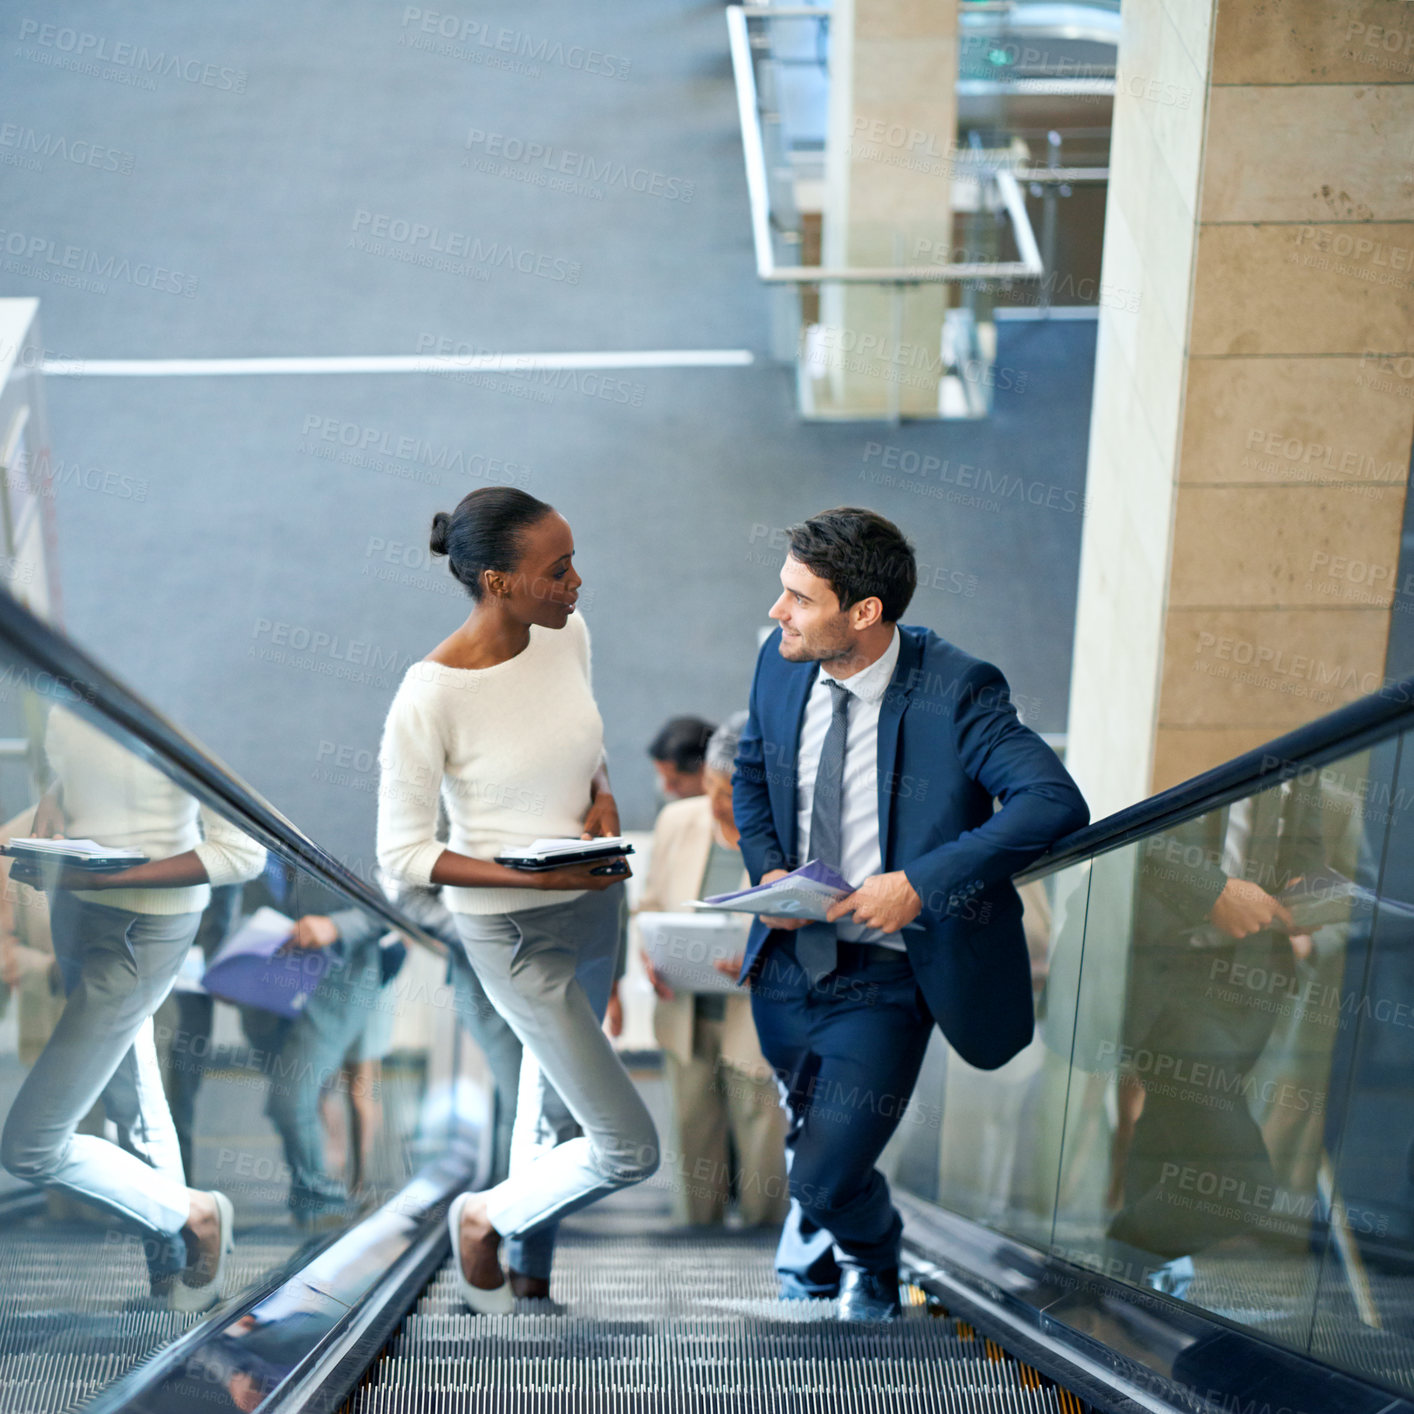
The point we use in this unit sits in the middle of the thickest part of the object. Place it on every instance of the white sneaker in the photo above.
(495, 1301)
(195, 1299)
(1173, 1278)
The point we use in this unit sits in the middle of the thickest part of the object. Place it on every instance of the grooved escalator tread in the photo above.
(649, 1318)
(76, 1311)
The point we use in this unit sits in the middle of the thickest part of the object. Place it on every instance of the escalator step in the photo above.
(663, 1321)
(76, 1312)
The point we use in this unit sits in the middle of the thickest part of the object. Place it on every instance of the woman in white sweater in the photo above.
(120, 939)
(500, 720)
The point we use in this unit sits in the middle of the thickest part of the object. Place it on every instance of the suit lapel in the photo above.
(891, 709)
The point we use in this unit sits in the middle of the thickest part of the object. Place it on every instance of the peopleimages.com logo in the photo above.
(62, 47)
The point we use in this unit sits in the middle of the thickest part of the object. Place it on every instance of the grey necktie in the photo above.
(816, 947)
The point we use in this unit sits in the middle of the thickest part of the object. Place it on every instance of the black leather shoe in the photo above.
(870, 1296)
(792, 1288)
(526, 1288)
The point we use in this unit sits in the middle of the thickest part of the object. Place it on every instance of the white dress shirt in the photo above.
(861, 853)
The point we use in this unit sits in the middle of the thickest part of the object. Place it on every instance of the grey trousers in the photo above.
(118, 966)
(548, 971)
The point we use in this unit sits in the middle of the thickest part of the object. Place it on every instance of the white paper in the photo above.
(77, 849)
(262, 934)
(548, 848)
(683, 947)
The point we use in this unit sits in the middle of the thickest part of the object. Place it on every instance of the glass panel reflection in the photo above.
(1217, 1103)
(987, 1144)
(1223, 980)
(208, 1058)
(1363, 1317)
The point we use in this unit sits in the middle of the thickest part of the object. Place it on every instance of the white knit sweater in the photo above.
(512, 750)
(110, 795)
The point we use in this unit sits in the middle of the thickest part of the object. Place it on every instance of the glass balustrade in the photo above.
(1217, 1105)
(185, 1012)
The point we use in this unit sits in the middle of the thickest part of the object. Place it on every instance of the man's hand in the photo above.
(603, 818)
(788, 924)
(314, 930)
(1244, 908)
(887, 902)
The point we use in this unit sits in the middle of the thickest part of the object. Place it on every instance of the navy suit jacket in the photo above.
(950, 743)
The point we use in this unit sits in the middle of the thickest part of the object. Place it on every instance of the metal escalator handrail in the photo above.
(78, 677)
(1348, 729)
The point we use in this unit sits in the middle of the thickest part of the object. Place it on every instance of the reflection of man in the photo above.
(1207, 916)
(723, 1096)
(879, 749)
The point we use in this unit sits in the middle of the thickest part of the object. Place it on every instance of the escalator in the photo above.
(653, 1318)
(1173, 1199)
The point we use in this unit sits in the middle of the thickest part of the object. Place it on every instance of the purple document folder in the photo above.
(250, 969)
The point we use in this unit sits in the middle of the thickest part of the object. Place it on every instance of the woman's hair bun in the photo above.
(484, 532)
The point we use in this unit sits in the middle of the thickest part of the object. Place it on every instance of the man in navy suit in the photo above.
(879, 748)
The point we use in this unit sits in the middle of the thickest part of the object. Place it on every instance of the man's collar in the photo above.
(872, 682)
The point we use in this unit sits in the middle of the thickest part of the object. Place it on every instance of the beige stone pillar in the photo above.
(1254, 391)
(888, 167)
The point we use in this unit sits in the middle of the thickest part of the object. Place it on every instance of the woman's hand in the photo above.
(614, 1015)
(578, 876)
(603, 817)
(43, 874)
(49, 822)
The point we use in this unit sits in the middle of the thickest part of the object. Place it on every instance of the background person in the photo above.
(728, 1119)
(347, 1008)
(500, 720)
(677, 753)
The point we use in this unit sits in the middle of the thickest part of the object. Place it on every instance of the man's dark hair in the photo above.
(682, 742)
(861, 554)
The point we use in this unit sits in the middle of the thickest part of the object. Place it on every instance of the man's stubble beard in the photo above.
(815, 653)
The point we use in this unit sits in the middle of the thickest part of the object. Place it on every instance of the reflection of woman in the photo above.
(120, 940)
(501, 719)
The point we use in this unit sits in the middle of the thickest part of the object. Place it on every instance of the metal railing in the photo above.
(1371, 720)
(986, 167)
